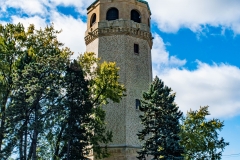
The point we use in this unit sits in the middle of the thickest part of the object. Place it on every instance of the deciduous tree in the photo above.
(104, 87)
(199, 136)
(11, 39)
(35, 87)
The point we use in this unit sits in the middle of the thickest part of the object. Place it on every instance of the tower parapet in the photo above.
(119, 26)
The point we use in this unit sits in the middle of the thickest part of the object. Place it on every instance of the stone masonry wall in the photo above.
(136, 74)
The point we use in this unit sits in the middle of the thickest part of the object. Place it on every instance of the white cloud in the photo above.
(26, 21)
(30, 7)
(73, 32)
(41, 7)
(161, 58)
(171, 15)
(3, 22)
(216, 85)
(80, 5)
(68, 2)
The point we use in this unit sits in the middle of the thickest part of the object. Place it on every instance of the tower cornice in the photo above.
(118, 27)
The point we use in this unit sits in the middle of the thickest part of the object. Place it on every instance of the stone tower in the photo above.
(119, 30)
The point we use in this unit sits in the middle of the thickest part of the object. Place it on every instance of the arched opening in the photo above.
(112, 14)
(93, 20)
(135, 16)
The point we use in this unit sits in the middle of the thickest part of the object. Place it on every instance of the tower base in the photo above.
(123, 153)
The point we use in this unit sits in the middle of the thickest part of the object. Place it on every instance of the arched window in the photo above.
(93, 19)
(135, 16)
(112, 14)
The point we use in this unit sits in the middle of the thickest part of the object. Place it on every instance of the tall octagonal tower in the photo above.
(119, 30)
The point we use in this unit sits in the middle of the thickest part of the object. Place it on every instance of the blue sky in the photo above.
(196, 49)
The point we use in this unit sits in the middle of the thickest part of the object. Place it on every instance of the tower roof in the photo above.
(145, 2)
(92, 4)
(141, 1)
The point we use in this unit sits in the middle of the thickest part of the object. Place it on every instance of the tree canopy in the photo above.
(51, 105)
(199, 136)
(160, 118)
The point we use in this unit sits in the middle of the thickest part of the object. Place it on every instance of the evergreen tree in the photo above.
(78, 110)
(199, 136)
(160, 119)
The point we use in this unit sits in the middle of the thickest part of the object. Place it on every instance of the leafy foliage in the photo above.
(11, 39)
(103, 78)
(199, 136)
(160, 121)
(104, 86)
(35, 86)
(51, 108)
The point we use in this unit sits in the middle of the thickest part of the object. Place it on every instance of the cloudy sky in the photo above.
(196, 49)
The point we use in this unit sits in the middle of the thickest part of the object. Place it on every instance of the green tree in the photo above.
(75, 132)
(11, 39)
(32, 103)
(103, 79)
(35, 80)
(199, 136)
(160, 119)
(39, 102)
